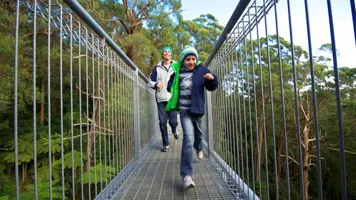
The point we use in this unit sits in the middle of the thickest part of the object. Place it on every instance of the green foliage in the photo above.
(56, 141)
(97, 171)
(43, 191)
(143, 49)
(67, 160)
(43, 173)
(6, 197)
(204, 32)
(7, 186)
(240, 79)
(2, 167)
(25, 149)
(142, 34)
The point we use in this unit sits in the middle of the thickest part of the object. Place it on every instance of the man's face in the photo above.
(166, 55)
(190, 62)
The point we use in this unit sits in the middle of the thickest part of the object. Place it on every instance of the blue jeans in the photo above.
(163, 116)
(192, 127)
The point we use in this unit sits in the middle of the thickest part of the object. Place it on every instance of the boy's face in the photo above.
(166, 55)
(190, 62)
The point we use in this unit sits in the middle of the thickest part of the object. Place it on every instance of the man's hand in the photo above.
(208, 76)
(160, 85)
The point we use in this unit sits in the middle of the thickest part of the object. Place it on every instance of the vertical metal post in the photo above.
(61, 99)
(353, 13)
(210, 123)
(49, 97)
(16, 151)
(136, 101)
(34, 100)
(339, 112)
(71, 101)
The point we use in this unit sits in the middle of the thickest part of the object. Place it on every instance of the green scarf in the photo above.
(173, 103)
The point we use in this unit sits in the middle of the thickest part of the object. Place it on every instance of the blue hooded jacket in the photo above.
(199, 83)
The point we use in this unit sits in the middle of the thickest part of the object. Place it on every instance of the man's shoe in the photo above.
(200, 155)
(176, 135)
(188, 182)
(164, 148)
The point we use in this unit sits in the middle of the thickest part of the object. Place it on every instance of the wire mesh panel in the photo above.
(283, 112)
(79, 92)
(148, 118)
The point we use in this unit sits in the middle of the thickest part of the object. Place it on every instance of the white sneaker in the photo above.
(188, 182)
(164, 148)
(200, 155)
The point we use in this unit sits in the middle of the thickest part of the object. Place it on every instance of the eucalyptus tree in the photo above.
(134, 24)
(204, 33)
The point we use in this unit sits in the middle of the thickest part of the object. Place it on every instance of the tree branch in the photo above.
(311, 164)
(124, 25)
(292, 159)
(310, 140)
(96, 126)
(301, 107)
(98, 15)
(145, 10)
(303, 110)
(334, 149)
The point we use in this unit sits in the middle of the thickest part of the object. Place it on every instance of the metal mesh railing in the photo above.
(89, 106)
(277, 126)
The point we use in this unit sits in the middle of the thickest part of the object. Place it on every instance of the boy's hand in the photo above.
(160, 85)
(208, 76)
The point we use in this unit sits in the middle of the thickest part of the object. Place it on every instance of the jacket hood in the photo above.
(178, 64)
(160, 62)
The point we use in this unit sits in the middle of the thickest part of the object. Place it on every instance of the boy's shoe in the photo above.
(164, 148)
(200, 155)
(188, 182)
(176, 135)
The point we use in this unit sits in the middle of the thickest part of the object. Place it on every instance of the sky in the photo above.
(318, 16)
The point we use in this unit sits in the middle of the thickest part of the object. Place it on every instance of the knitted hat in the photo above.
(188, 50)
(165, 49)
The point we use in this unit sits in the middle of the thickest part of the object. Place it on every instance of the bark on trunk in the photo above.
(258, 154)
(129, 51)
(306, 155)
(91, 136)
(260, 136)
(279, 153)
(308, 114)
(92, 133)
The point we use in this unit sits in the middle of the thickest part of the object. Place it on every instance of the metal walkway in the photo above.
(95, 132)
(158, 177)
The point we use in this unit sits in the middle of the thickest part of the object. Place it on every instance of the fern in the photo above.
(43, 191)
(25, 149)
(110, 172)
(68, 160)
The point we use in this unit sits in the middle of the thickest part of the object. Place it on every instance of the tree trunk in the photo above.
(129, 51)
(260, 136)
(24, 171)
(305, 144)
(306, 155)
(91, 136)
(92, 132)
(279, 153)
(258, 154)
